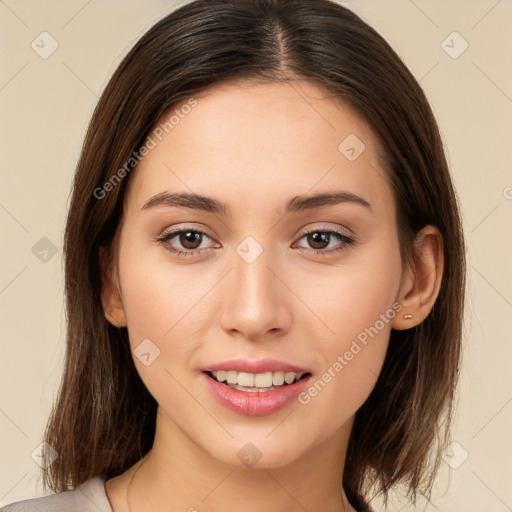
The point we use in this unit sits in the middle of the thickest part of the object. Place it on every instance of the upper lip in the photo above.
(251, 366)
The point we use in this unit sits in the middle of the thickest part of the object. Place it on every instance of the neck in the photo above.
(177, 475)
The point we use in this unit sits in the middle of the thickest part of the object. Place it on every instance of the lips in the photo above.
(255, 388)
(261, 366)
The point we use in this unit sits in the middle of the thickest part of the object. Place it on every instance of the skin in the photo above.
(255, 146)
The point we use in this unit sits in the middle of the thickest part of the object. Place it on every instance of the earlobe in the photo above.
(110, 296)
(422, 279)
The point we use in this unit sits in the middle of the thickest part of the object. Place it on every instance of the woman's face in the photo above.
(262, 272)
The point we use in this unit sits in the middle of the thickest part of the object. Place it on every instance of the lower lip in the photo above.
(255, 403)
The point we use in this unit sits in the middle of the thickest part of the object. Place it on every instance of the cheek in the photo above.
(162, 303)
(159, 296)
(166, 304)
(352, 296)
(358, 318)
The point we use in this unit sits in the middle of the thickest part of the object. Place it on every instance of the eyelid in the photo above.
(336, 229)
(169, 235)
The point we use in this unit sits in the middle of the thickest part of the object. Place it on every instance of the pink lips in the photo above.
(255, 403)
(261, 366)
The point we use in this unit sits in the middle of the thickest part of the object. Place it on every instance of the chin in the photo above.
(258, 451)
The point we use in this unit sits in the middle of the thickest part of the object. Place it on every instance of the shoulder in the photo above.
(88, 497)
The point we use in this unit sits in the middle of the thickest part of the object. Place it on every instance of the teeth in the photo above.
(246, 379)
(278, 378)
(232, 377)
(259, 380)
(263, 380)
(289, 377)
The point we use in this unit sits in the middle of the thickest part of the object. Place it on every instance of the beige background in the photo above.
(45, 105)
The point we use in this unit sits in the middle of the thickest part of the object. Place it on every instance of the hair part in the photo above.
(104, 418)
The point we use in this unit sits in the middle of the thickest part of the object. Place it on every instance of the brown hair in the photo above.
(104, 417)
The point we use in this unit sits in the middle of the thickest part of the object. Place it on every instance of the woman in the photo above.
(264, 273)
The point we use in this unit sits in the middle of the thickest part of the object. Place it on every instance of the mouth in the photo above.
(256, 382)
(255, 394)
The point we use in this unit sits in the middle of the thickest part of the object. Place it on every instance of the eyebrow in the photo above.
(208, 204)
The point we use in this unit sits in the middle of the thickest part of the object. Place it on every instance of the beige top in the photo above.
(91, 496)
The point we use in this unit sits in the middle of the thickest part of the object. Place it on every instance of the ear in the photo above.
(421, 280)
(110, 294)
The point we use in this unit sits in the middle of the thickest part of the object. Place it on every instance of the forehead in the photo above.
(260, 139)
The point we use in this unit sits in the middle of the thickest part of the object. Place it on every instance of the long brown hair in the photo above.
(104, 418)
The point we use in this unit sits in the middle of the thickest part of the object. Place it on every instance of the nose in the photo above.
(257, 303)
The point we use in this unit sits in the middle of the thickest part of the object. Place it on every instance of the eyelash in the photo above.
(346, 240)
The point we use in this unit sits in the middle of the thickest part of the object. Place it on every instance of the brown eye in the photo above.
(322, 241)
(190, 239)
(185, 242)
(319, 239)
